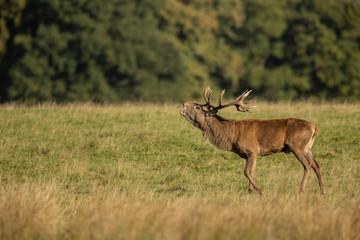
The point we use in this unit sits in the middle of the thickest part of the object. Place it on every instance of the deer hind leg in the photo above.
(249, 172)
(306, 164)
(315, 166)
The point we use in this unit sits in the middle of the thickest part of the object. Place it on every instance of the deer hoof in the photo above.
(259, 191)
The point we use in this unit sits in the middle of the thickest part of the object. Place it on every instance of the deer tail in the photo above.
(317, 131)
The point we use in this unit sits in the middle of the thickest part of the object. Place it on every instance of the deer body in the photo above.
(251, 138)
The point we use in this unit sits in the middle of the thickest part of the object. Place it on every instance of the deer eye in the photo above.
(198, 107)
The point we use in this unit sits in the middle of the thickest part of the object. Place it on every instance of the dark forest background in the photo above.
(168, 50)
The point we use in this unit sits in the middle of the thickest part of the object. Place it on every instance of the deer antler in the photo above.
(238, 102)
(207, 97)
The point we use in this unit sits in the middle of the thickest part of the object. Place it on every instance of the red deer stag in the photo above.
(251, 138)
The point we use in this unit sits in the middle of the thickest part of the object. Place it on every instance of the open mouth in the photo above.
(183, 113)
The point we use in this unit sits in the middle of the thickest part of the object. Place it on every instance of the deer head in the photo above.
(197, 114)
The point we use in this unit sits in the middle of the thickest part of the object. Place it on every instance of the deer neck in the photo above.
(219, 132)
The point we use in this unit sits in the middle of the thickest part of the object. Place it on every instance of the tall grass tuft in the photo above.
(30, 211)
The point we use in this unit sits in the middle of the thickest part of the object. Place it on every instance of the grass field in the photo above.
(128, 172)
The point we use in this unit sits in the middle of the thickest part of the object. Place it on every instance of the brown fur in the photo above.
(251, 138)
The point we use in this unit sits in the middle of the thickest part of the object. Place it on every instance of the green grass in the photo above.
(127, 172)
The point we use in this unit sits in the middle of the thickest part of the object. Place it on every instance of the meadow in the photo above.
(141, 171)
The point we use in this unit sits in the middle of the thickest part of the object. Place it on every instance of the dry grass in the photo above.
(33, 211)
(127, 172)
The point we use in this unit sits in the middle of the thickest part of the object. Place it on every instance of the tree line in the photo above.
(167, 50)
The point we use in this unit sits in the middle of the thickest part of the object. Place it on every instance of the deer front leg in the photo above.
(249, 169)
(252, 172)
